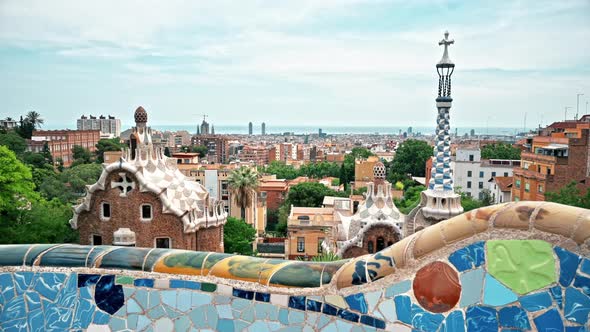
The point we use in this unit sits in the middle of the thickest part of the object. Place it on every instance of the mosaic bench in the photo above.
(512, 267)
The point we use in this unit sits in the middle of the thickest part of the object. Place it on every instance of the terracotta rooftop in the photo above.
(504, 182)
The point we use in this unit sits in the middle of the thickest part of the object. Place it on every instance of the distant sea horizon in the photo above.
(339, 130)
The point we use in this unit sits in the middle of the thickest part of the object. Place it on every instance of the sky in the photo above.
(330, 63)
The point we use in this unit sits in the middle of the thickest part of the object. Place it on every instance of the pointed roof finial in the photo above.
(446, 42)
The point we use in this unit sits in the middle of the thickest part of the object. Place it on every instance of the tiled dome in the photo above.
(379, 171)
(140, 115)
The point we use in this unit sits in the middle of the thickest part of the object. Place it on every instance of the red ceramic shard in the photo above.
(436, 287)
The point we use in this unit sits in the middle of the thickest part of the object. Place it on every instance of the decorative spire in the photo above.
(445, 68)
(446, 42)
(141, 117)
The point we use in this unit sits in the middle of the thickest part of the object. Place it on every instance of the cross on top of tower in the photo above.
(446, 42)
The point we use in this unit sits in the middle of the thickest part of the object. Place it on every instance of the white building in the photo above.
(472, 174)
(107, 125)
(501, 189)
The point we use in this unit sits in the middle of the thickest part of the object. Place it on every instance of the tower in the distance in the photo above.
(250, 128)
(263, 129)
(439, 201)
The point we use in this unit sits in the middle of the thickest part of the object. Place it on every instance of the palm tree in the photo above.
(34, 118)
(242, 184)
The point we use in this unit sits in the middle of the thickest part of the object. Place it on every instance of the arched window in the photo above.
(370, 247)
(380, 243)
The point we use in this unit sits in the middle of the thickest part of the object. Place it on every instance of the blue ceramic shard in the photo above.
(577, 306)
(480, 319)
(108, 296)
(71, 255)
(454, 322)
(424, 320)
(101, 318)
(514, 317)
(13, 254)
(399, 288)
(48, 284)
(585, 266)
(313, 305)
(297, 302)
(403, 308)
(372, 321)
(262, 297)
(329, 310)
(35, 251)
(85, 280)
(33, 300)
(125, 258)
(536, 302)
(549, 321)
(13, 309)
(22, 281)
(7, 286)
(244, 294)
(58, 319)
(83, 314)
(471, 285)
(468, 257)
(143, 283)
(348, 315)
(69, 292)
(568, 264)
(496, 294)
(557, 295)
(582, 283)
(357, 302)
(36, 320)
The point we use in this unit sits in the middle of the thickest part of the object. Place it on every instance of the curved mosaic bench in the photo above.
(517, 266)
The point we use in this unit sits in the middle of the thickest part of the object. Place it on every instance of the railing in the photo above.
(530, 156)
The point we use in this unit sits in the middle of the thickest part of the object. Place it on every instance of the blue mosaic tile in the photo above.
(7, 286)
(297, 302)
(84, 311)
(314, 305)
(399, 288)
(577, 306)
(514, 317)
(357, 302)
(175, 283)
(471, 286)
(575, 329)
(262, 297)
(85, 280)
(143, 283)
(244, 294)
(49, 284)
(582, 283)
(549, 321)
(468, 257)
(296, 317)
(348, 315)
(36, 321)
(57, 318)
(568, 264)
(199, 299)
(100, 318)
(480, 319)
(14, 325)
(117, 324)
(13, 255)
(454, 322)
(372, 321)
(22, 281)
(284, 316)
(403, 308)
(182, 324)
(13, 309)
(536, 302)
(496, 294)
(109, 297)
(33, 300)
(329, 309)
(585, 268)
(424, 320)
(557, 294)
(67, 295)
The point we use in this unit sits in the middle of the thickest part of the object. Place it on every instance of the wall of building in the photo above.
(452, 276)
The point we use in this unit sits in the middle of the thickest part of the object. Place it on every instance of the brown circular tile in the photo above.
(436, 287)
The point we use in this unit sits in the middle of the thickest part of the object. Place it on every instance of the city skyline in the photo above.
(342, 63)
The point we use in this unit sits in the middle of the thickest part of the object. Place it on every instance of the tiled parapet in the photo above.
(487, 270)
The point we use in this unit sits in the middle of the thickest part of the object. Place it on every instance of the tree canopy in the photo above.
(104, 145)
(238, 236)
(16, 181)
(411, 157)
(500, 151)
(570, 194)
(13, 141)
(81, 155)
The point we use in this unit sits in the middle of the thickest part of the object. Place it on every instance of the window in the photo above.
(370, 247)
(480, 185)
(548, 171)
(470, 157)
(505, 173)
(146, 212)
(516, 198)
(380, 243)
(96, 240)
(300, 244)
(105, 211)
(481, 174)
(320, 240)
(517, 183)
(469, 174)
(468, 184)
(493, 174)
(527, 187)
(540, 188)
(163, 242)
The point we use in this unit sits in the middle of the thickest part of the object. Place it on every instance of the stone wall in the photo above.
(521, 266)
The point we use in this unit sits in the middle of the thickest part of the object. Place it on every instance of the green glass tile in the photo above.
(207, 287)
(521, 265)
(124, 280)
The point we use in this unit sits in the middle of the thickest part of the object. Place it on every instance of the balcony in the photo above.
(529, 174)
(540, 158)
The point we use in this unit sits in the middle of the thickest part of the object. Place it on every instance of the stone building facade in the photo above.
(143, 200)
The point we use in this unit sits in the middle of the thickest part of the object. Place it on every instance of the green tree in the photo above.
(500, 151)
(104, 145)
(281, 170)
(411, 157)
(201, 150)
(410, 200)
(81, 155)
(570, 195)
(242, 183)
(71, 183)
(167, 152)
(349, 161)
(16, 182)
(238, 236)
(14, 142)
(35, 119)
